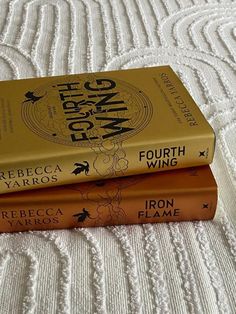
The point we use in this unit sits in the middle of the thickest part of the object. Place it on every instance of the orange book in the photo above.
(177, 195)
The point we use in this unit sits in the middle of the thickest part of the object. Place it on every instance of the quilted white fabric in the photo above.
(160, 268)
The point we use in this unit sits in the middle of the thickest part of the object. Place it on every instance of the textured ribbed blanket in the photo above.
(160, 268)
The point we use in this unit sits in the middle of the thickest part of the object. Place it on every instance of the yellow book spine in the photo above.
(110, 162)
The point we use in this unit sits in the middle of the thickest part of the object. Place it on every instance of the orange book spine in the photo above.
(178, 195)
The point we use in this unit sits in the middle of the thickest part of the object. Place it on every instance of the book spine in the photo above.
(105, 163)
(107, 209)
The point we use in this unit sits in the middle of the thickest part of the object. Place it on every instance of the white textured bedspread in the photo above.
(160, 268)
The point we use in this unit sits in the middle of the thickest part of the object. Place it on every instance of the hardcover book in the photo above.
(75, 128)
(178, 195)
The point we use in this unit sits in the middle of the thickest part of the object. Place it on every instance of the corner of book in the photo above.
(212, 145)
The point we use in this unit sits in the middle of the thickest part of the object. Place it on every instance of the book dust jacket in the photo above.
(94, 126)
(177, 195)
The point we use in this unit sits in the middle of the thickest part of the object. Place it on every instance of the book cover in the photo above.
(75, 128)
(178, 195)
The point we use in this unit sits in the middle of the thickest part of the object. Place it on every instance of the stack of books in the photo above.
(98, 149)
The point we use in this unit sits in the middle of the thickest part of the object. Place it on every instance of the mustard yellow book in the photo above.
(93, 126)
